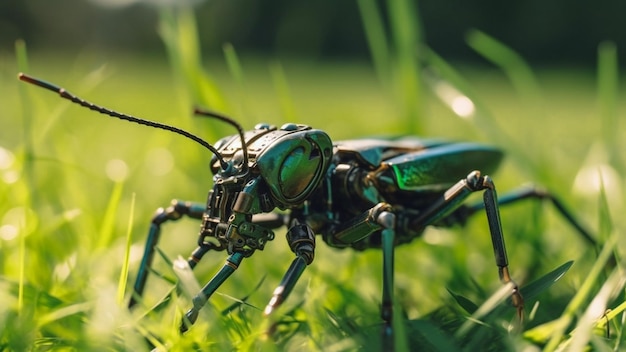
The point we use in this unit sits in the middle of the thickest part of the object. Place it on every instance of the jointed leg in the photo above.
(199, 300)
(174, 212)
(490, 199)
(388, 221)
(379, 218)
(301, 240)
(540, 194)
(452, 200)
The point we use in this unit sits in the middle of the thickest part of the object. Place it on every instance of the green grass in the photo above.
(74, 185)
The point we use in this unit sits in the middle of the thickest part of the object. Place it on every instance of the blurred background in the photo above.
(555, 32)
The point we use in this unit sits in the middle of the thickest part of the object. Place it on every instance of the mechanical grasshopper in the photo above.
(361, 193)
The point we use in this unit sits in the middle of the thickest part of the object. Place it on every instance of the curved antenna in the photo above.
(67, 95)
(232, 122)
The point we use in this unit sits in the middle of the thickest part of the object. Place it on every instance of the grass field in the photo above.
(76, 184)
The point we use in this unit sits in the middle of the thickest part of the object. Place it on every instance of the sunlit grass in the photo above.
(65, 220)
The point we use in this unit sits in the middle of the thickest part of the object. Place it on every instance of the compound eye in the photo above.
(298, 170)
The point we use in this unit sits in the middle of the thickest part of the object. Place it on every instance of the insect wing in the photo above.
(435, 169)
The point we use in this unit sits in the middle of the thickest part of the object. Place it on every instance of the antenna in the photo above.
(69, 96)
(232, 122)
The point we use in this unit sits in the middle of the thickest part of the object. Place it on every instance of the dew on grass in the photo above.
(6, 159)
(591, 179)
(460, 104)
(116, 170)
(8, 232)
(597, 175)
(7, 173)
(16, 220)
(10, 176)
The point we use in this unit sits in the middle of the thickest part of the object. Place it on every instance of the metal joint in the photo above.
(301, 240)
(387, 220)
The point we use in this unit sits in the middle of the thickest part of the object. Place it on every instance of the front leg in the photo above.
(175, 211)
(200, 299)
(301, 240)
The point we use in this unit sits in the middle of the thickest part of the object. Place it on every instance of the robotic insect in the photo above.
(394, 188)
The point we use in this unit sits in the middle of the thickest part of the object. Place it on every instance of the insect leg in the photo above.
(199, 300)
(490, 199)
(301, 240)
(388, 221)
(174, 212)
(379, 218)
(540, 194)
(452, 199)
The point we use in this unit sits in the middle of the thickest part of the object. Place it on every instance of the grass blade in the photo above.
(105, 237)
(437, 338)
(406, 33)
(121, 287)
(22, 59)
(441, 72)
(236, 71)
(64, 312)
(403, 70)
(243, 300)
(376, 39)
(464, 302)
(536, 287)
(179, 33)
(279, 78)
(608, 88)
(524, 81)
(583, 292)
(490, 304)
(512, 64)
(186, 280)
(595, 311)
